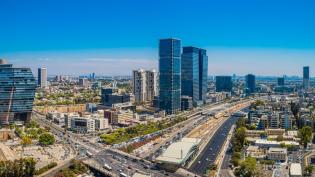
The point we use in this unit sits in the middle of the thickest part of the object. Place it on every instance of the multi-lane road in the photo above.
(209, 154)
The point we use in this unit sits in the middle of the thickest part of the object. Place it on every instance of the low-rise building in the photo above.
(277, 154)
(295, 170)
(178, 154)
(263, 143)
(82, 124)
(256, 152)
(254, 133)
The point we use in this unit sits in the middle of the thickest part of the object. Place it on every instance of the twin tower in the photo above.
(183, 72)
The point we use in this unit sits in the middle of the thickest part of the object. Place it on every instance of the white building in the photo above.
(144, 85)
(295, 170)
(80, 124)
(101, 123)
(42, 77)
(277, 154)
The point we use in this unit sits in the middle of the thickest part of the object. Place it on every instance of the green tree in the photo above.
(46, 139)
(236, 158)
(309, 170)
(247, 168)
(18, 168)
(26, 141)
(305, 134)
(240, 123)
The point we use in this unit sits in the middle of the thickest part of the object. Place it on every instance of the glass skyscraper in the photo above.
(17, 90)
(194, 74)
(223, 83)
(170, 75)
(306, 77)
(203, 74)
(190, 73)
(250, 83)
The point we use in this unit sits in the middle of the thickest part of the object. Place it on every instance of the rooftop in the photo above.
(179, 151)
(295, 169)
(272, 149)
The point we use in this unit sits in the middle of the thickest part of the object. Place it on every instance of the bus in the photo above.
(89, 154)
(123, 175)
(107, 167)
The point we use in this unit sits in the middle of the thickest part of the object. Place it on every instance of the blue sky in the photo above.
(265, 37)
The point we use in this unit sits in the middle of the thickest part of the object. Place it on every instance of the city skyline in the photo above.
(115, 63)
(123, 33)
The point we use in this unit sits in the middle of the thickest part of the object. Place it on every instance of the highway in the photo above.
(210, 152)
(129, 165)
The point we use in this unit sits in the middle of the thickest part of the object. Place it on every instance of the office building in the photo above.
(223, 83)
(280, 81)
(17, 90)
(194, 69)
(170, 75)
(250, 83)
(186, 103)
(306, 77)
(111, 97)
(203, 74)
(190, 73)
(42, 77)
(144, 85)
(81, 124)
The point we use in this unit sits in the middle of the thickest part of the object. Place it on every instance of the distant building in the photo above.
(263, 123)
(84, 82)
(306, 77)
(144, 85)
(273, 121)
(110, 97)
(223, 83)
(186, 103)
(42, 77)
(203, 74)
(280, 81)
(194, 69)
(285, 120)
(17, 91)
(170, 75)
(250, 83)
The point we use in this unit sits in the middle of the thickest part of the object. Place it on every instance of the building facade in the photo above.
(223, 83)
(190, 73)
(280, 81)
(42, 77)
(194, 73)
(144, 85)
(110, 97)
(203, 74)
(170, 75)
(306, 77)
(17, 91)
(250, 83)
